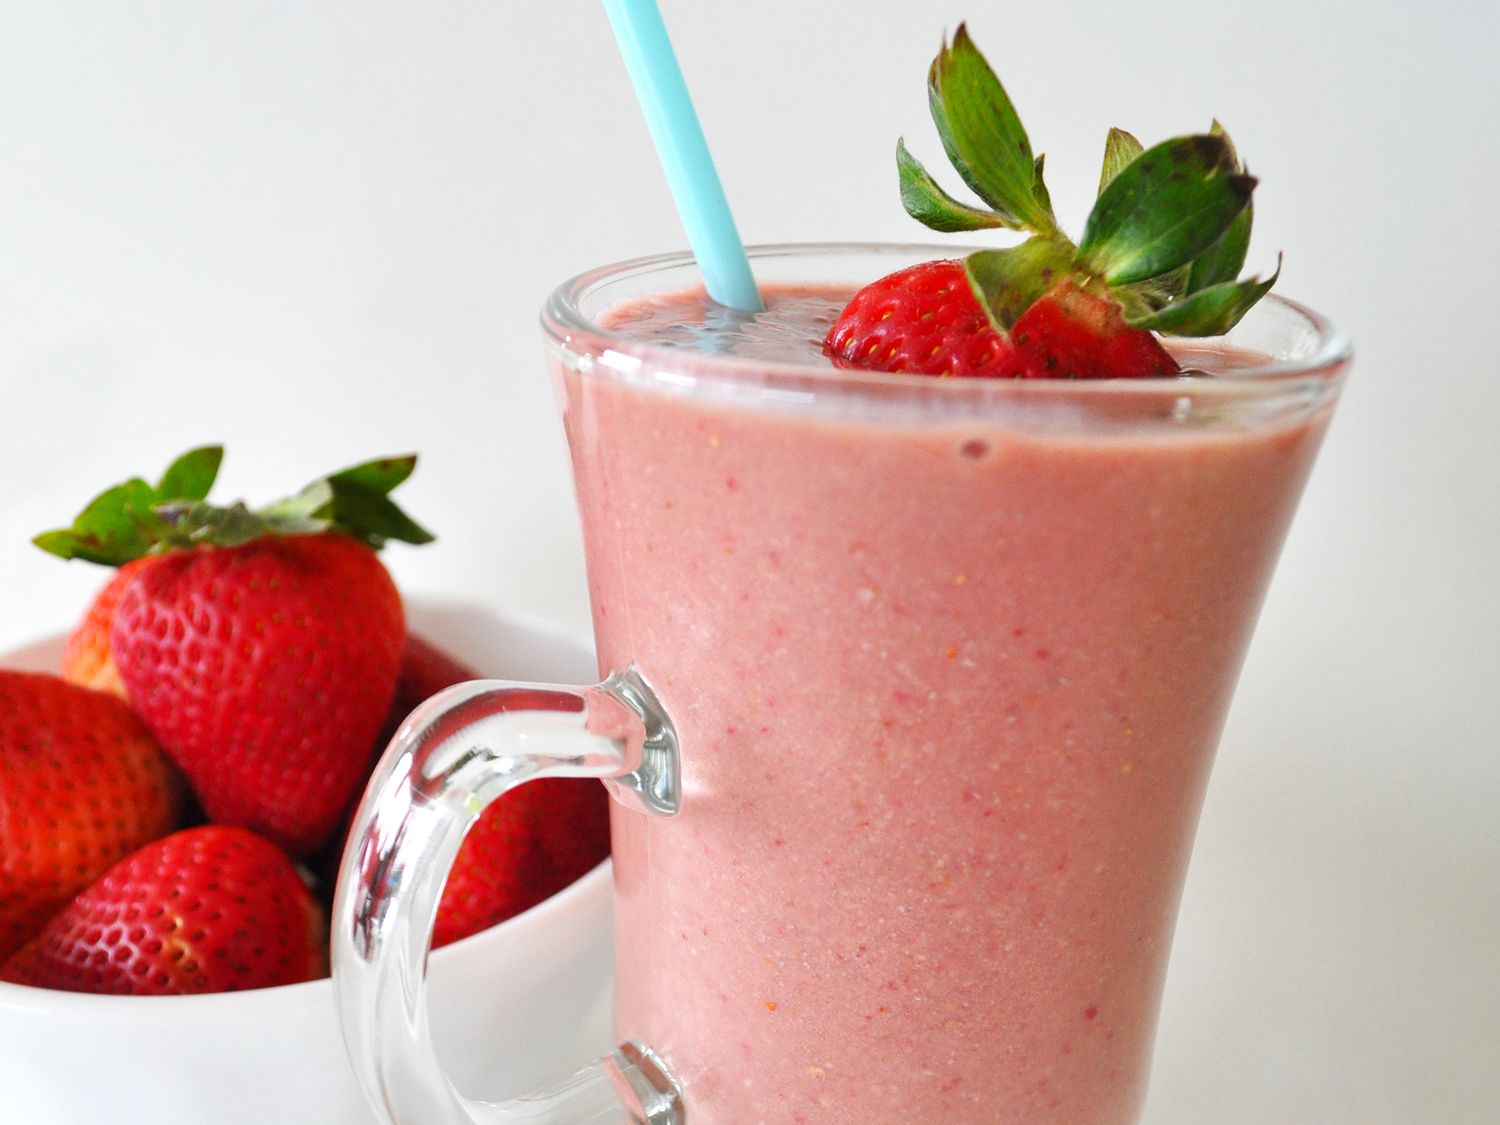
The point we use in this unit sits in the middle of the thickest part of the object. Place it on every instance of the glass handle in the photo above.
(455, 754)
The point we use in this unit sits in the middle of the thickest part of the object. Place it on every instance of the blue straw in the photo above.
(684, 155)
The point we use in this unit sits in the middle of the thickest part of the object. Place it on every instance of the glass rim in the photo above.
(573, 332)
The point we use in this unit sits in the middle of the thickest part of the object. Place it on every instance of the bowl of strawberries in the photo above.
(176, 777)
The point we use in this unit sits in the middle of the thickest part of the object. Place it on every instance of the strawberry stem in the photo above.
(133, 519)
(1165, 240)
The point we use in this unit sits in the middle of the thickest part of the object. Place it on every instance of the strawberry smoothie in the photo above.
(948, 663)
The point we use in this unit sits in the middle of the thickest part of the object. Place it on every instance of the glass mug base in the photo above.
(945, 663)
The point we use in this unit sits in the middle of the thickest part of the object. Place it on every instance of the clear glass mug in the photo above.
(911, 690)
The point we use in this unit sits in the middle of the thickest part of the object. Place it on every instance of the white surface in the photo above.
(513, 1008)
(319, 231)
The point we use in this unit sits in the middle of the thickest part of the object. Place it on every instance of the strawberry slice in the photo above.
(1160, 252)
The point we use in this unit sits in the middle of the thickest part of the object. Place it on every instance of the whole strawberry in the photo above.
(86, 657)
(260, 648)
(82, 784)
(209, 909)
(527, 845)
(426, 670)
(1160, 252)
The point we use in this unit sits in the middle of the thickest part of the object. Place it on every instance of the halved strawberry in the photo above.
(1160, 252)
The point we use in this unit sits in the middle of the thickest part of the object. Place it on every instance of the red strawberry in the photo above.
(265, 672)
(261, 649)
(1160, 252)
(209, 909)
(924, 320)
(82, 784)
(529, 844)
(426, 670)
(1073, 334)
(86, 656)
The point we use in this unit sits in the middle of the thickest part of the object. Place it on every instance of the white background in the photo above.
(317, 232)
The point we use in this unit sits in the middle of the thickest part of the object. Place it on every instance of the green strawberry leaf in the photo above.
(1120, 148)
(303, 513)
(133, 519)
(983, 135)
(1168, 233)
(1009, 281)
(1216, 129)
(192, 475)
(931, 206)
(202, 523)
(374, 518)
(354, 501)
(68, 544)
(1225, 257)
(1141, 298)
(1163, 209)
(1039, 185)
(380, 475)
(360, 504)
(122, 522)
(114, 527)
(1208, 312)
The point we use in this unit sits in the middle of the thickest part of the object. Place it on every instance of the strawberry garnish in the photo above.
(260, 648)
(1073, 334)
(924, 320)
(210, 909)
(82, 784)
(1160, 251)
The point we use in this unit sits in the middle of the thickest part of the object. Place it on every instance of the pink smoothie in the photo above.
(947, 692)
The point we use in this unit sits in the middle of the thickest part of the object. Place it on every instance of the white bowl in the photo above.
(514, 1007)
